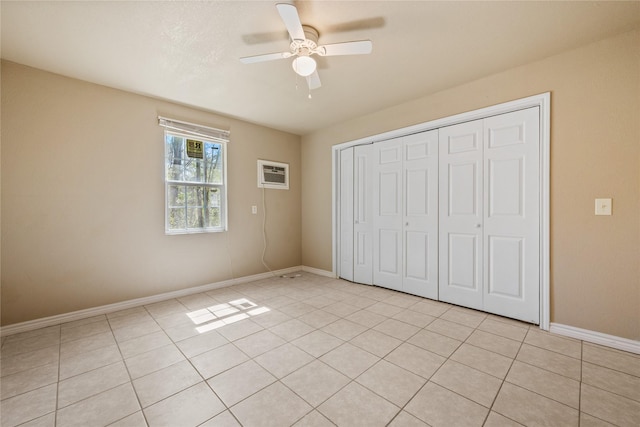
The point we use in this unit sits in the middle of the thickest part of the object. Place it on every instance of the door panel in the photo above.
(387, 214)
(346, 214)
(389, 202)
(505, 188)
(417, 244)
(461, 170)
(363, 212)
(463, 261)
(420, 218)
(463, 189)
(506, 268)
(417, 192)
(512, 195)
(389, 257)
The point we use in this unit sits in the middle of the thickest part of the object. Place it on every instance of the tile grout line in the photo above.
(386, 317)
(581, 382)
(55, 416)
(315, 408)
(278, 380)
(449, 358)
(204, 380)
(228, 408)
(504, 380)
(128, 374)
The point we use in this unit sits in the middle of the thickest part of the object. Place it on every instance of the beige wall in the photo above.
(83, 199)
(595, 152)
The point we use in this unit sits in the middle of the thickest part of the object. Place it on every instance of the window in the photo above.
(195, 178)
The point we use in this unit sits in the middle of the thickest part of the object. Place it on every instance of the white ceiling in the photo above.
(188, 52)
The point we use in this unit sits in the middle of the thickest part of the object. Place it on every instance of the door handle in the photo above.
(478, 225)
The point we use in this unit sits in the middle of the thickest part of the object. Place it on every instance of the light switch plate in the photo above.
(254, 209)
(603, 206)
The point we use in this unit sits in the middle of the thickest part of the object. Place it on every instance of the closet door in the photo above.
(421, 214)
(363, 215)
(489, 215)
(387, 214)
(512, 218)
(346, 214)
(461, 214)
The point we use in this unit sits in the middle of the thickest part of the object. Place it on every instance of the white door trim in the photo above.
(543, 101)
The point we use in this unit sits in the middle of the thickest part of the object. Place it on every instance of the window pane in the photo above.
(195, 201)
(174, 154)
(195, 196)
(193, 170)
(213, 163)
(213, 197)
(213, 204)
(174, 169)
(195, 217)
(176, 196)
(176, 220)
(174, 146)
(179, 166)
(214, 217)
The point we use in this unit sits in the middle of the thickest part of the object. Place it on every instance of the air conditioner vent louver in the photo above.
(273, 175)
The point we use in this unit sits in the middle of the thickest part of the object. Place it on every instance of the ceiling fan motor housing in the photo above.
(307, 46)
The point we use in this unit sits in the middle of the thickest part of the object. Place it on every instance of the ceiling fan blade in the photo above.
(289, 15)
(266, 37)
(360, 24)
(262, 58)
(314, 80)
(361, 47)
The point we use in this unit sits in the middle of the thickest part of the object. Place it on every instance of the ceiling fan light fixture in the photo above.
(304, 65)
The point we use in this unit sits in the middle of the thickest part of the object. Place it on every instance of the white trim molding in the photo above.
(319, 272)
(543, 101)
(596, 337)
(110, 308)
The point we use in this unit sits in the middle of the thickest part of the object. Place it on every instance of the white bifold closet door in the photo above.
(356, 224)
(363, 215)
(346, 214)
(405, 214)
(489, 214)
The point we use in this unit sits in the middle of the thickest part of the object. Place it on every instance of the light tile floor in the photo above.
(311, 351)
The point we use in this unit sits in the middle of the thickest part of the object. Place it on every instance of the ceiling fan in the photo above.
(304, 44)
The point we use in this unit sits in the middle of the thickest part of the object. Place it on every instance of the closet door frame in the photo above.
(543, 101)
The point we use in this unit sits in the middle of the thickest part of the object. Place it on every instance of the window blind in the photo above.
(194, 130)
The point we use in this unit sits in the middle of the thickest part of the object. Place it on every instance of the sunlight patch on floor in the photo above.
(219, 315)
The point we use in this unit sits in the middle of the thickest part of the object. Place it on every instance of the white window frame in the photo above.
(204, 134)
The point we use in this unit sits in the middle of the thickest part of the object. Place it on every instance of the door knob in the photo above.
(478, 225)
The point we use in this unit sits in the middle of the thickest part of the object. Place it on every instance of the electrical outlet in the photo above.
(603, 206)
(254, 209)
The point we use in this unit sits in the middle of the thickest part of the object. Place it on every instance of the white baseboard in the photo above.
(110, 308)
(319, 272)
(596, 337)
(556, 328)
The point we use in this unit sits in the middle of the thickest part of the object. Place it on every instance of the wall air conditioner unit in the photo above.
(273, 175)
